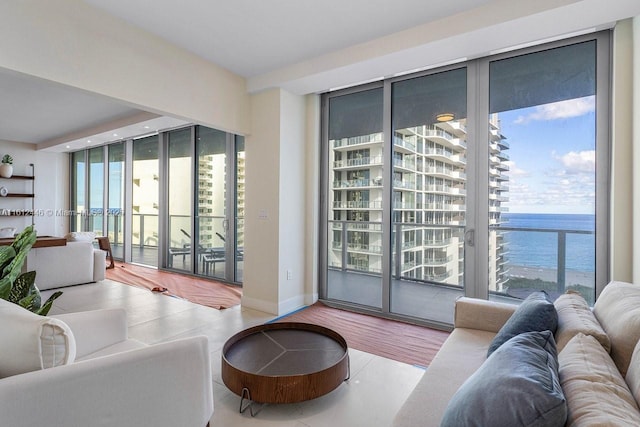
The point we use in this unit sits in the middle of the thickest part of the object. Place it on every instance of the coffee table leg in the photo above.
(246, 394)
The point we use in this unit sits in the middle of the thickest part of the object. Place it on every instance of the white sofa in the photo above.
(598, 361)
(73, 264)
(81, 369)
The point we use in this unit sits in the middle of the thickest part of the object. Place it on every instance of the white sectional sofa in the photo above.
(81, 369)
(73, 264)
(598, 365)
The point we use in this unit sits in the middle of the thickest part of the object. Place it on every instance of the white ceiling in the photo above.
(253, 37)
(258, 38)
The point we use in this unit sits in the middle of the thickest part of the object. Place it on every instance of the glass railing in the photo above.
(570, 265)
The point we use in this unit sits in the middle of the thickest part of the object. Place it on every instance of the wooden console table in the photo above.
(41, 241)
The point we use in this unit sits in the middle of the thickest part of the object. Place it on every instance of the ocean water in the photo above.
(540, 249)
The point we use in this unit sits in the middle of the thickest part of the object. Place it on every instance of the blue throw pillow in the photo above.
(535, 313)
(517, 386)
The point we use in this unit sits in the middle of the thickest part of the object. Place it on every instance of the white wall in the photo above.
(635, 123)
(621, 153)
(262, 194)
(292, 202)
(276, 217)
(75, 44)
(51, 189)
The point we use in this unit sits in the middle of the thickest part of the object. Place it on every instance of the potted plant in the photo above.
(16, 286)
(6, 168)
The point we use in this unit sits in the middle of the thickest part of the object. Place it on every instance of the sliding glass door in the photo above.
(172, 200)
(486, 179)
(179, 200)
(144, 232)
(429, 193)
(546, 103)
(355, 198)
(115, 207)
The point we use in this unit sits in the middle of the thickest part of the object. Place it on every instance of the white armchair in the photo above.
(81, 369)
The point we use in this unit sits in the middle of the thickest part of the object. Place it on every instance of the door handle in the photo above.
(470, 237)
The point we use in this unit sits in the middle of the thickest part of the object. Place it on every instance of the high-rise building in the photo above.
(428, 202)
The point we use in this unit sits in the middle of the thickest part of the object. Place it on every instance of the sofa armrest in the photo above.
(99, 264)
(473, 313)
(96, 329)
(163, 385)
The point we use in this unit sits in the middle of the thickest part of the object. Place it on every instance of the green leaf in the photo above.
(44, 310)
(5, 288)
(7, 253)
(27, 302)
(22, 287)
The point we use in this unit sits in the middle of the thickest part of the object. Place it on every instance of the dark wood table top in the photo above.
(41, 241)
(284, 362)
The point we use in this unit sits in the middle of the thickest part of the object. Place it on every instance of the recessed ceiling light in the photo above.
(146, 127)
(88, 141)
(68, 146)
(115, 134)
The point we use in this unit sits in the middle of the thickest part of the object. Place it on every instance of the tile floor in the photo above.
(376, 390)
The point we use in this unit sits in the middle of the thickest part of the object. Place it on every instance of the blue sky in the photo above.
(552, 157)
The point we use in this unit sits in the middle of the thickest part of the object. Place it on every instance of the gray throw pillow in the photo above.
(535, 313)
(517, 386)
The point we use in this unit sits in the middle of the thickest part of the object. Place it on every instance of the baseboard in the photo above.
(277, 309)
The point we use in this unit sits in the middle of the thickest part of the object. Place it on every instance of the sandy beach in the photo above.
(550, 275)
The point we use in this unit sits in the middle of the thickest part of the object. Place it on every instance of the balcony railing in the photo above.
(454, 237)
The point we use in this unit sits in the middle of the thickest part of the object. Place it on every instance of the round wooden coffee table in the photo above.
(284, 362)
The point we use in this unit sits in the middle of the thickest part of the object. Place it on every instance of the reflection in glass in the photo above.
(144, 228)
(240, 176)
(78, 203)
(96, 190)
(354, 250)
(429, 194)
(211, 203)
(115, 209)
(179, 198)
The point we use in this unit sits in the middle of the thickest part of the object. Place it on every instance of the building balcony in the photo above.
(404, 145)
(445, 173)
(357, 163)
(359, 204)
(375, 138)
(403, 164)
(357, 183)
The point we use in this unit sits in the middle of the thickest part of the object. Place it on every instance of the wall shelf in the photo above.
(15, 195)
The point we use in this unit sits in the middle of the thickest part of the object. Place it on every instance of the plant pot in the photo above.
(6, 170)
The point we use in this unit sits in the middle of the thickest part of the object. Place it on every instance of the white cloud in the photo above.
(560, 110)
(578, 162)
(514, 170)
(570, 188)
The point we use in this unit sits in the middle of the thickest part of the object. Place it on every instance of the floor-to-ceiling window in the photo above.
(115, 207)
(179, 199)
(144, 232)
(543, 108)
(78, 189)
(429, 189)
(488, 178)
(174, 200)
(355, 189)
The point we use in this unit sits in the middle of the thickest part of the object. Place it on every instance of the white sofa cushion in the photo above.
(633, 374)
(31, 342)
(595, 391)
(57, 266)
(80, 236)
(575, 316)
(618, 311)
